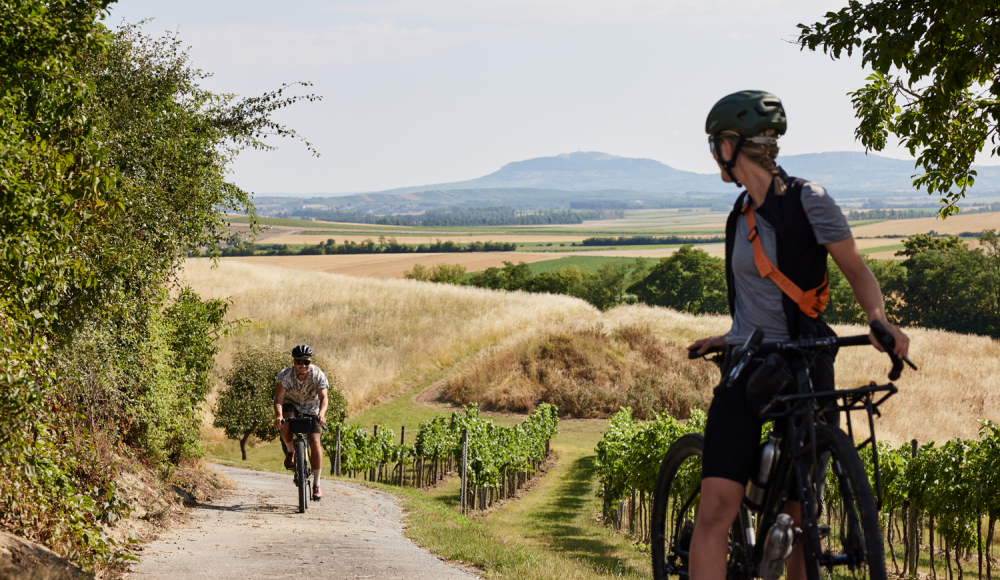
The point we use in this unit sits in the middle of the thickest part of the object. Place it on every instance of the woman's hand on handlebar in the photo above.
(902, 341)
(704, 344)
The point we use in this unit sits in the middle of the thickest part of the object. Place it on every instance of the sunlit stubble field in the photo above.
(957, 385)
(380, 336)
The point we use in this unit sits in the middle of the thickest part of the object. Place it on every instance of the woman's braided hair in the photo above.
(763, 155)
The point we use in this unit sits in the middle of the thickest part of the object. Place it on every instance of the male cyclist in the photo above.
(302, 388)
(778, 237)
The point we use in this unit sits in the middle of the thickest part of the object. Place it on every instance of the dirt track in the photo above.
(257, 532)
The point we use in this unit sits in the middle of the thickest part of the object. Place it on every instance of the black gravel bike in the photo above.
(299, 426)
(839, 530)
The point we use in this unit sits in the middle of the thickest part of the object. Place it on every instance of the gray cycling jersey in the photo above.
(758, 300)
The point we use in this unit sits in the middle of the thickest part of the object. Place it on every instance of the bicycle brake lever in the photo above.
(747, 350)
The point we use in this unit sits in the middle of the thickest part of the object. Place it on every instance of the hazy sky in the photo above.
(429, 91)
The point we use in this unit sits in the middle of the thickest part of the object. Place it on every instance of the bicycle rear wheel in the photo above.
(300, 468)
(851, 536)
(675, 507)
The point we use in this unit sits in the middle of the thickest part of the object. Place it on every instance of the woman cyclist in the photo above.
(778, 237)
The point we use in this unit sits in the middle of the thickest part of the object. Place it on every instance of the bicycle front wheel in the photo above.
(300, 468)
(675, 508)
(850, 535)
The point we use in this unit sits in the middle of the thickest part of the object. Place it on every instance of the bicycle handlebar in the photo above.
(755, 345)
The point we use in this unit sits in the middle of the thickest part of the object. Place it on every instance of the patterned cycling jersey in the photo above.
(303, 394)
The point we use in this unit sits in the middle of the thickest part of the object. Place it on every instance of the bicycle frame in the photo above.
(800, 413)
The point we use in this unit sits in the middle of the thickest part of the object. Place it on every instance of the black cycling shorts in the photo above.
(732, 433)
(287, 407)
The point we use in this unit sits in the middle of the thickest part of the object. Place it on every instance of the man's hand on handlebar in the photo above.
(277, 423)
(321, 420)
(902, 341)
(702, 345)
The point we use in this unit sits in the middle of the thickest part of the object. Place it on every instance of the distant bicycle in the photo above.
(799, 451)
(299, 426)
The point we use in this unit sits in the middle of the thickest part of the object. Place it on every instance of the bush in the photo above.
(245, 407)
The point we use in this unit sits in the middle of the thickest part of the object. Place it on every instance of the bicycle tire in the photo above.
(300, 468)
(675, 500)
(854, 529)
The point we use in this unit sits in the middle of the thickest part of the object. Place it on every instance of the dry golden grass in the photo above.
(386, 335)
(382, 335)
(586, 372)
(957, 224)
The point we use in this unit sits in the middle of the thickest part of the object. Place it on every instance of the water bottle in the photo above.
(758, 483)
(777, 548)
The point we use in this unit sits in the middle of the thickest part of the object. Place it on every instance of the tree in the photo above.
(944, 103)
(689, 280)
(951, 286)
(843, 308)
(245, 407)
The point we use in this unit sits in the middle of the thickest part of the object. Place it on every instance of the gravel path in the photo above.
(257, 532)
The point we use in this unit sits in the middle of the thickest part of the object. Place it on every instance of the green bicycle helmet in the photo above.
(748, 113)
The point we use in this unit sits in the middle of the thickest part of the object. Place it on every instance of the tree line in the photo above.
(384, 246)
(115, 163)
(459, 216)
(650, 240)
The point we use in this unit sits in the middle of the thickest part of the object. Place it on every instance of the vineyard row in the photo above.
(940, 504)
(497, 460)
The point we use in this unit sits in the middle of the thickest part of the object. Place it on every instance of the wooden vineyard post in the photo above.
(374, 436)
(465, 468)
(913, 549)
(335, 468)
(402, 464)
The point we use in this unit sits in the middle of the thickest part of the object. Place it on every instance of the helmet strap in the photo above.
(728, 165)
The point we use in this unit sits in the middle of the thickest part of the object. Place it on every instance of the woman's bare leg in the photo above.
(720, 503)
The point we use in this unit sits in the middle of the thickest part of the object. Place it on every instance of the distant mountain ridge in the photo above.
(591, 171)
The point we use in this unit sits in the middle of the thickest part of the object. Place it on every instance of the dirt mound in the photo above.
(588, 373)
(21, 559)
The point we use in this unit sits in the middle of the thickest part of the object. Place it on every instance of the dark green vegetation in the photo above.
(458, 216)
(953, 487)
(114, 164)
(369, 246)
(944, 103)
(942, 283)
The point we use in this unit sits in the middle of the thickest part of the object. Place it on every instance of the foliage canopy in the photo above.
(934, 84)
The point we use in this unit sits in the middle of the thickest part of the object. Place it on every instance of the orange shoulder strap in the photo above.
(811, 302)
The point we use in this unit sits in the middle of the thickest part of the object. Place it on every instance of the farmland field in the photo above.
(953, 225)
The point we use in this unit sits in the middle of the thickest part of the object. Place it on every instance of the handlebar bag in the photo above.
(770, 379)
(300, 424)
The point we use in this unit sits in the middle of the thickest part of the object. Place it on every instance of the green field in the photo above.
(591, 263)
